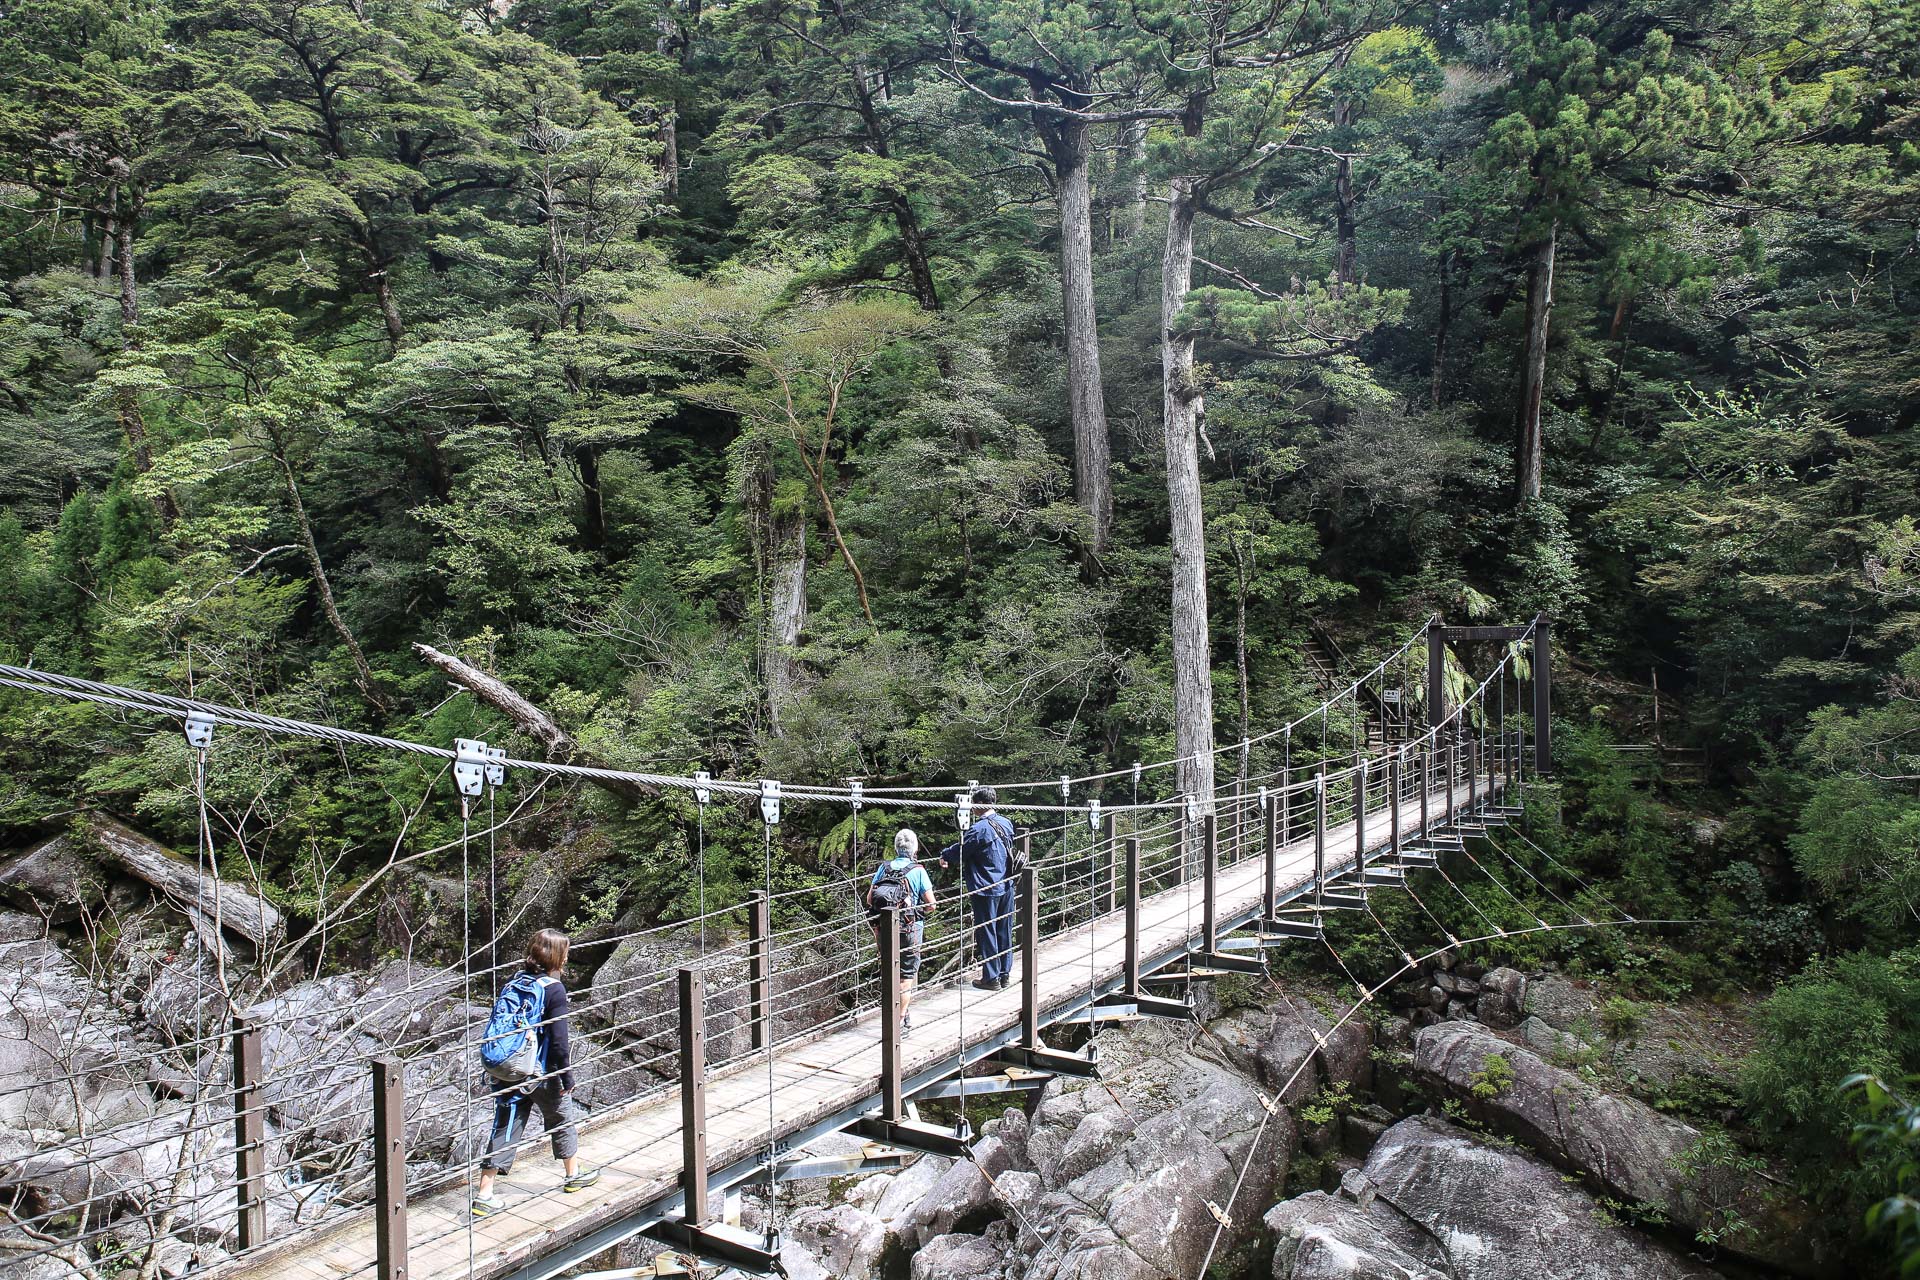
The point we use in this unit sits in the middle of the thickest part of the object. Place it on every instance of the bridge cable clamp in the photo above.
(469, 765)
(963, 808)
(854, 790)
(1093, 816)
(199, 730)
(1263, 799)
(496, 765)
(770, 801)
(702, 791)
(1137, 769)
(1193, 806)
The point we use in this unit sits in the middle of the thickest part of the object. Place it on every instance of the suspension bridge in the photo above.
(782, 1035)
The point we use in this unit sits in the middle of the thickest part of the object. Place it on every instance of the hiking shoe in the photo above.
(986, 984)
(581, 1180)
(906, 1023)
(491, 1203)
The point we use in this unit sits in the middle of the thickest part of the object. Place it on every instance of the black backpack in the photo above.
(890, 893)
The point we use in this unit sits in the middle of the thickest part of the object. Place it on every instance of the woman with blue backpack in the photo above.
(526, 1050)
(901, 886)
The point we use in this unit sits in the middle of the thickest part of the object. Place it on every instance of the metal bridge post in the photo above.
(893, 1106)
(1270, 824)
(1131, 976)
(1542, 696)
(1473, 773)
(1319, 835)
(1209, 880)
(249, 1134)
(1030, 958)
(1360, 819)
(1452, 767)
(1180, 842)
(760, 966)
(1436, 674)
(1426, 788)
(1393, 806)
(693, 1097)
(1113, 863)
(390, 1169)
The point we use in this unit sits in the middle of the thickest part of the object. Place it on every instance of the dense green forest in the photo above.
(916, 390)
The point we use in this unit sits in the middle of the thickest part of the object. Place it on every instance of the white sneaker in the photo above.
(486, 1204)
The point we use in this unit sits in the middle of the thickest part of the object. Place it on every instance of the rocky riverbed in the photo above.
(1455, 1150)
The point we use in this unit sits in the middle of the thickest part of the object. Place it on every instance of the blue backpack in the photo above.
(510, 1048)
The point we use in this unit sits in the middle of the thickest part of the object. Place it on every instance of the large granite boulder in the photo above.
(66, 1054)
(1131, 1164)
(1294, 1048)
(1433, 1202)
(407, 1006)
(1625, 1146)
(1502, 998)
(57, 879)
(634, 996)
(959, 1257)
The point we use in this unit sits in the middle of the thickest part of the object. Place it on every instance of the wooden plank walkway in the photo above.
(637, 1148)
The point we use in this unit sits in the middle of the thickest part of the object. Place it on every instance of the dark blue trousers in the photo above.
(993, 931)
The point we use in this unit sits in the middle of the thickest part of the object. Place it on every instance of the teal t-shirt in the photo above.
(919, 883)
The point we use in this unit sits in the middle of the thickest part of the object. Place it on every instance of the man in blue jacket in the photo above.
(985, 852)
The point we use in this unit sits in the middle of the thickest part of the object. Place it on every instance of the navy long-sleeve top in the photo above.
(556, 1047)
(982, 849)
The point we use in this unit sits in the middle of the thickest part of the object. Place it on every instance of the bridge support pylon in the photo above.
(1130, 996)
(895, 1125)
(1032, 1052)
(695, 1230)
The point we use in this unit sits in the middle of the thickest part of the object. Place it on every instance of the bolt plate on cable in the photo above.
(469, 765)
(702, 793)
(199, 730)
(770, 802)
(496, 766)
(1093, 815)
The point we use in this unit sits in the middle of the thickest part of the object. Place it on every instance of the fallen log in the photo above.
(527, 718)
(239, 910)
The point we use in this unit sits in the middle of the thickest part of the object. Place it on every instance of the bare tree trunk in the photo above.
(595, 533)
(1346, 253)
(1133, 150)
(123, 263)
(1443, 326)
(383, 294)
(1534, 365)
(133, 420)
(1067, 142)
(786, 611)
(1240, 660)
(670, 154)
(846, 552)
(323, 586)
(1182, 409)
(913, 246)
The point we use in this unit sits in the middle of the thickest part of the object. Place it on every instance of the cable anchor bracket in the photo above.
(199, 730)
(770, 801)
(469, 765)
